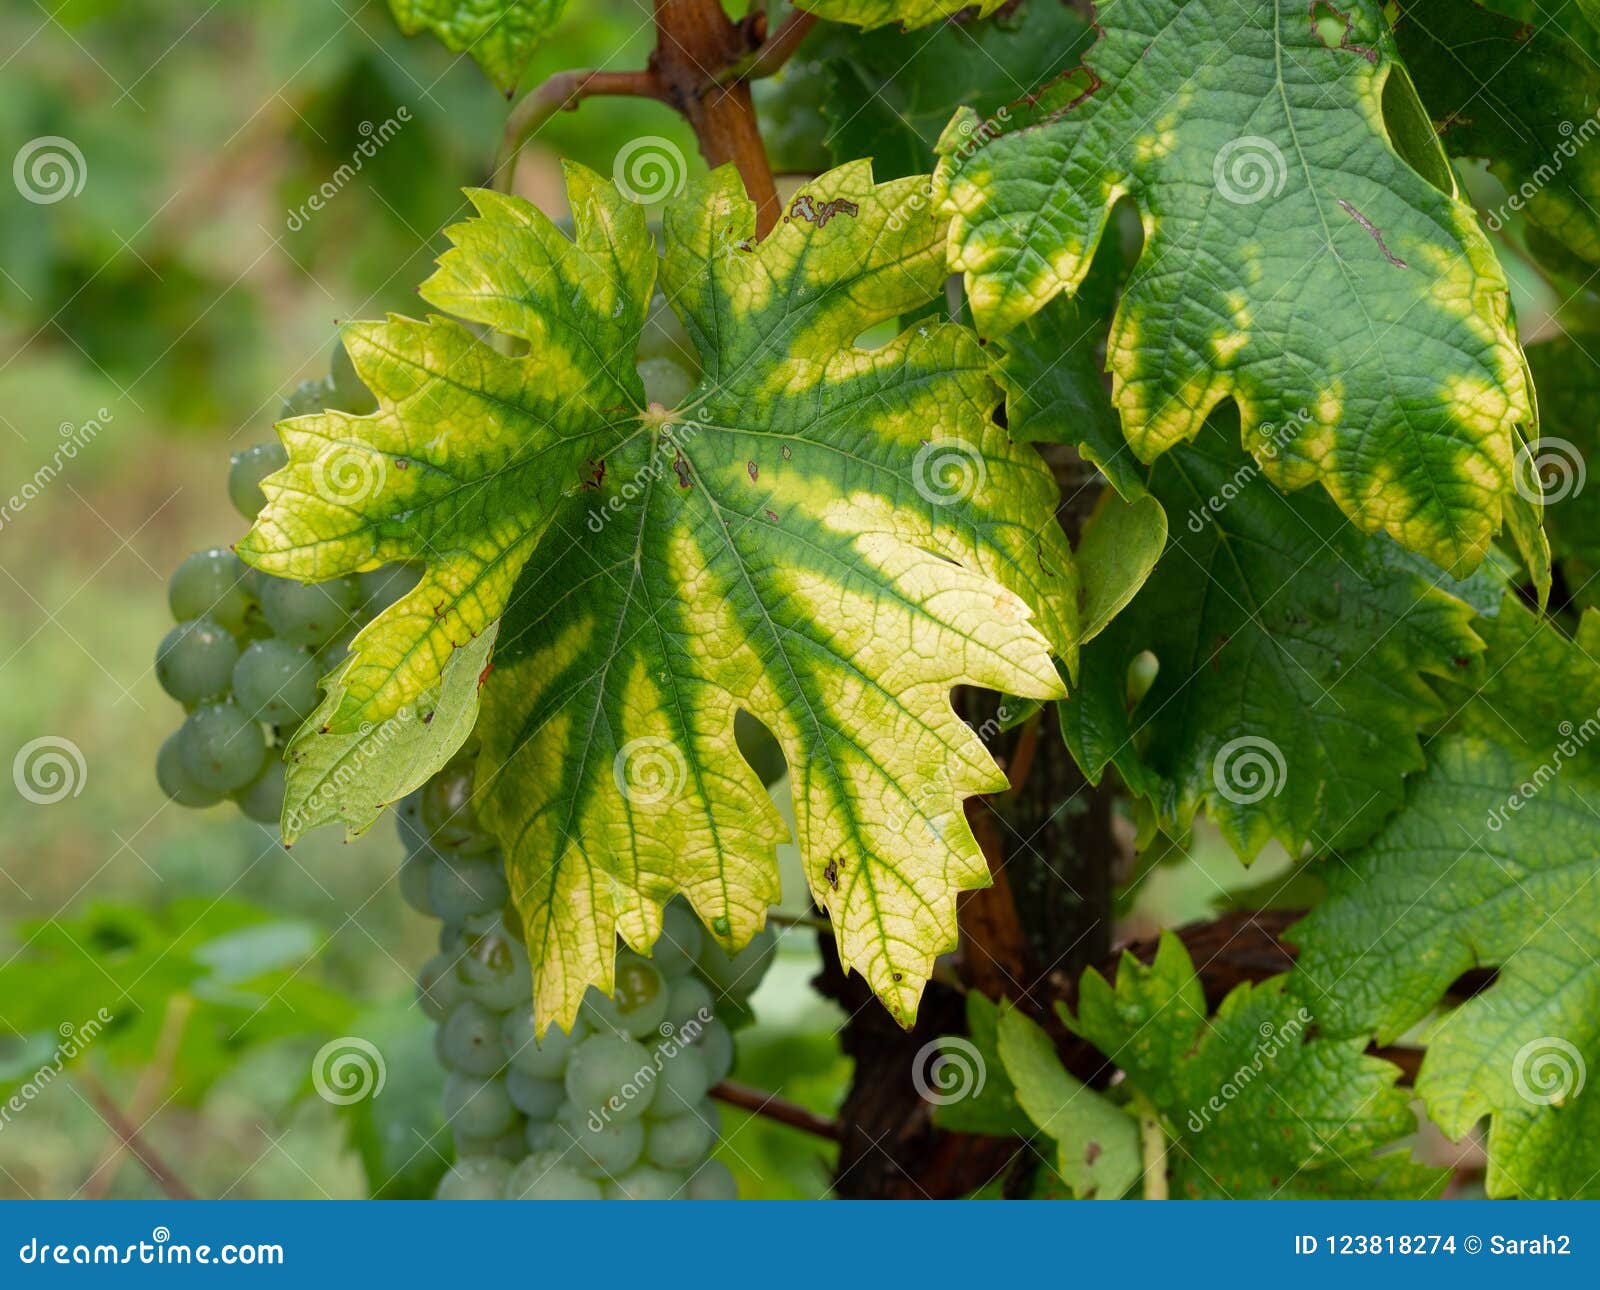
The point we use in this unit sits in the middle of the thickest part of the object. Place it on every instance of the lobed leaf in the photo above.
(499, 34)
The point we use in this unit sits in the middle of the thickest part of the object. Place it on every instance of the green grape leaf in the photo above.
(499, 34)
(908, 13)
(465, 461)
(1097, 1142)
(1256, 1104)
(824, 535)
(1524, 97)
(1555, 469)
(1120, 545)
(354, 775)
(891, 92)
(989, 1104)
(1292, 260)
(1492, 863)
(1290, 649)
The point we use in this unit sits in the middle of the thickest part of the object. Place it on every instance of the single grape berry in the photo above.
(469, 1040)
(538, 1099)
(460, 886)
(308, 613)
(221, 748)
(607, 1147)
(665, 382)
(247, 468)
(683, 1080)
(211, 584)
(449, 819)
(680, 942)
(383, 586)
(545, 1059)
(494, 970)
(305, 398)
(175, 781)
(262, 798)
(646, 1182)
(612, 1074)
(475, 1178)
(737, 977)
(276, 682)
(480, 1108)
(349, 393)
(195, 661)
(680, 1142)
(638, 1003)
(713, 1181)
(546, 1176)
(438, 987)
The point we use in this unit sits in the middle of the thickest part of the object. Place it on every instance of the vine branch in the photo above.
(760, 1102)
(132, 1139)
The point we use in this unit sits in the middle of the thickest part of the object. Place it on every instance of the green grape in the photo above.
(414, 870)
(510, 1146)
(438, 987)
(541, 1060)
(334, 653)
(476, 1178)
(408, 821)
(715, 1044)
(664, 336)
(608, 1147)
(545, 1176)
(221, 748)
(460, 886)
(678, 1143)
(195, 661)
(247, 469)
(276, 682)
(541, 1135)
(689, 999)
(479, 1108)
(211, 584)
(665, 382)
(637, 1005)
(759, 748)
(789, 107)
(348, 392)
(469, 1040)
(646, 1182)
(614, 1073)
(538, 1099)
(305, 398)
(385, 585)
(175, 781)
(739, 976)
(681, 938)
(713, 1181)
(262, 798)
(683, 1081)
(448, 816)
(308, 613)
(495, 970)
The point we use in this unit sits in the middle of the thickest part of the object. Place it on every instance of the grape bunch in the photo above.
(249, 649)
(616, 1108)
(667, 362)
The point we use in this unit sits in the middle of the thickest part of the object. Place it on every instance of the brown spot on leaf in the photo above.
(772, 515)
(787, 452)
(831, 873)
(484, 675)
(1345, 43)
(1377, 233)
(753, 470)
(680, 467)
(819, 213)
(401, 463)
(592, 478)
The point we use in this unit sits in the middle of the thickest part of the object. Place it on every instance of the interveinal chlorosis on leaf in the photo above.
(827, 536)
(1292, 260)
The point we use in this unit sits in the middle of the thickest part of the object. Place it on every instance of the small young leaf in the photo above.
(499, 34)
(908, 13)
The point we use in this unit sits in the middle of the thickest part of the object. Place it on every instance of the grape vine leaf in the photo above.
(354, 775)
(1566, 371)
(1292, 260)
(1097, 1142)
(891, 92)
(499, 34)
(989, 1101)
(827, 536)
(1523, 97)
(1492, 863)
(463, 464)
(1290, 649)
(1256, 1104)
(908, 13)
